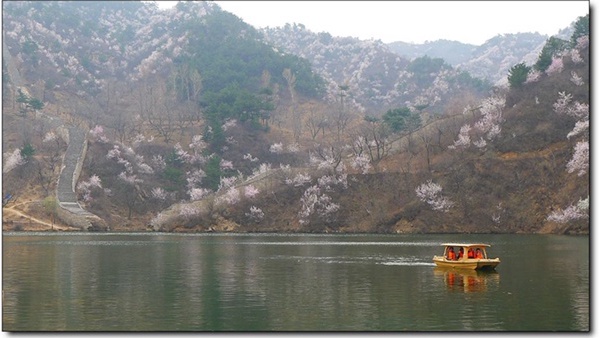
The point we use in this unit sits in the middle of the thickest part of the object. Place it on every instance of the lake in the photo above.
(289, 282)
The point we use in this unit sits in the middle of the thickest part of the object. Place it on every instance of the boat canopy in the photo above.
(467, 245)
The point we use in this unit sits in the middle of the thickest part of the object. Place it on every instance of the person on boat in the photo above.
(451, 254)
(478, 254)
(461, 253)
(470, 253)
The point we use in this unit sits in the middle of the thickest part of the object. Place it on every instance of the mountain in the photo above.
(192, 120)
(79, 46)
(491, 60)
(496, 56)
(377, 78)
(453, 52)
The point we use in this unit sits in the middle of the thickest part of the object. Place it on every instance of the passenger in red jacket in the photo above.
(470, 253)
(478, 254)
(461, 253)
(451, 254)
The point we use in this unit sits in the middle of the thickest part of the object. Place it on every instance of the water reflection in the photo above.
(467, 280)
(168, 282)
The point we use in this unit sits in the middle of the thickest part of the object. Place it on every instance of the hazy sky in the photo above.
(411, 21)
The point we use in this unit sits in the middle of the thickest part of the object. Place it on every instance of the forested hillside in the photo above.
(196, 121)
(375, 78)
(491, 60)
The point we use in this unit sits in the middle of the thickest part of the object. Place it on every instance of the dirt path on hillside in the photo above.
(11, 210)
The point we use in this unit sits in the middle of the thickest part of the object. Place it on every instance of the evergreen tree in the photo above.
(517, 75)
(213, 173)
(552, 48)
(27, 151)
(401, 119)
(582, 28)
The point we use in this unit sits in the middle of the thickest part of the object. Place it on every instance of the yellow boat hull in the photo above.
(467, 263)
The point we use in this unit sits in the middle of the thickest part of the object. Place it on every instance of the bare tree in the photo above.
(158, 109)
(426, 137)
(47, 163)
(342, 118)
(372, 138)
(315, 121)
(44, 176)
(295, 117)
(186, 85)
(331, 153)
(121, 124)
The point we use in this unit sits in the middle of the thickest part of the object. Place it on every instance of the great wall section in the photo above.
(69, 210)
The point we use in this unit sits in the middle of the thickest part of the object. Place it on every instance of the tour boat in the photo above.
(465, 262)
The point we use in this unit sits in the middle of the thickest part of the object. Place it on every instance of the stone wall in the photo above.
(208, 207)
(69, 210)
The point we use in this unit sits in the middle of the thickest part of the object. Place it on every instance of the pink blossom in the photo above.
(430, 193)
(561, 105)
(129, 179)
(114, 152)
(226, 165)
(198, 193)
(183, 155)
(12, 160)
(581, 158)
(328, 162)
(276, 148)
(158, 163)
(198, 144)
(86, 187)
(250, 158)
(228, 124)
(361, 162)
(328, 181)
(159, 193)
(576, 79)
(95, 181)
(232, 196)
(188, 211)
(256, 214)
(262, 169)
(226, 182)
(315, 202)
(491, 117)
(556, 66)
(231, 140)
(158, 220)
(195, 177)
(580, 127)
(250, 191)
(139, 138)
(464, 139)
(575, 56)
(578, 110)
(299, 180)
(50, 136)
(571, 213)
(143, 168)
(481, 143)
(293, 148)
(97, 134)
(583, 42)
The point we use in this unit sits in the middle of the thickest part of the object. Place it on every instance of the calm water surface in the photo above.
(172, 282)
